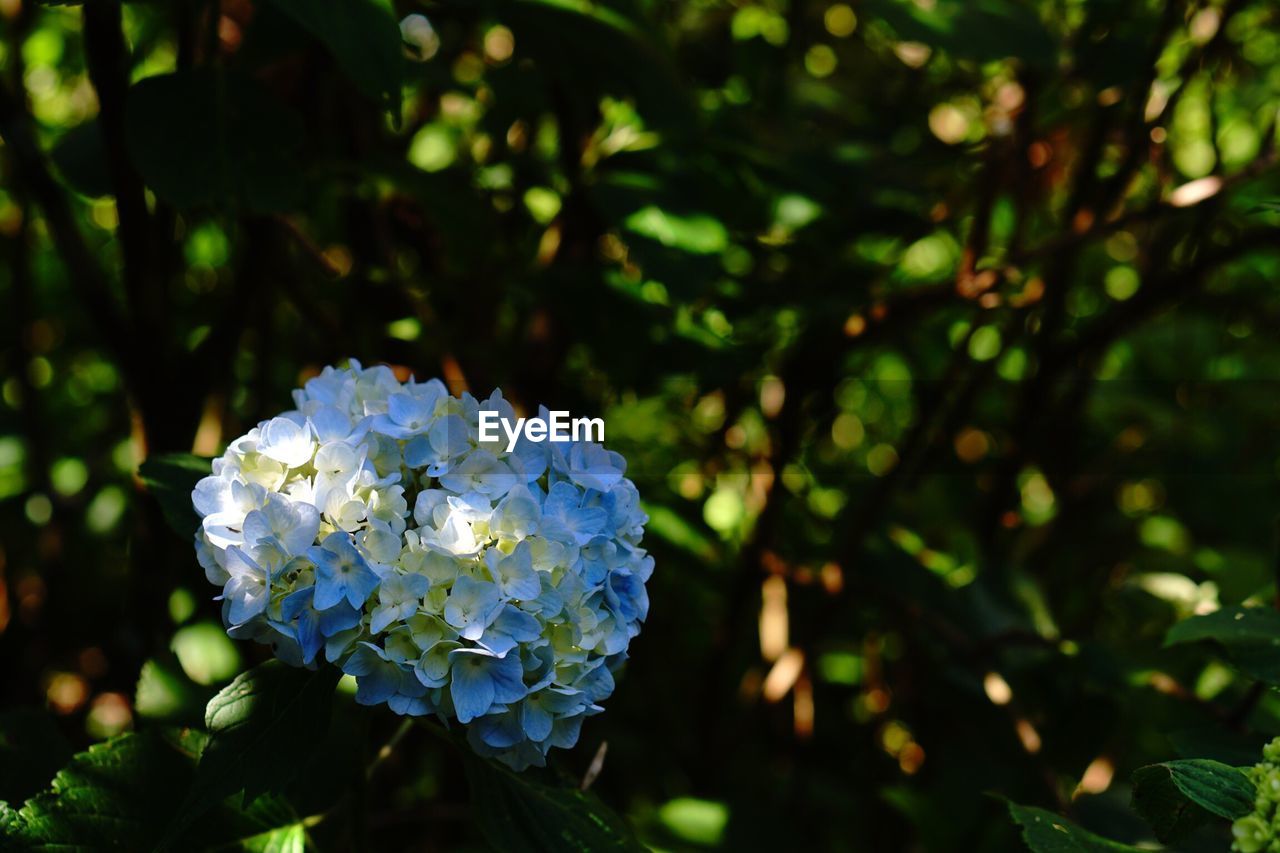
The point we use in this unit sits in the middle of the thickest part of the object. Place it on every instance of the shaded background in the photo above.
(939, 336)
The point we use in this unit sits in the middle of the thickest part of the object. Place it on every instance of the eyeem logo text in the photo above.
(559, 427)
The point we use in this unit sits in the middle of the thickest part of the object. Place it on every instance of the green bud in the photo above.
(1251, 834)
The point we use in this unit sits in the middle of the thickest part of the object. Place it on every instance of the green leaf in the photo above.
(363, 37)
(1210, 741)
(1249, 637)
(262, 727)
(170, 477)
(116, 794)
(1175, 797)
(697, 233)
(269, 825)
(210, 137)
(520, 812)
(1045, 832)
(980, 30)
(628, 58)
(120, 793)
(166, 693)
(666, 523)
(696, 821)
(32, 748)
(10, 821)
(81, 160)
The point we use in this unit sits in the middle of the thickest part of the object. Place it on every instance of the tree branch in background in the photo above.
(108, 65)
(85, 276)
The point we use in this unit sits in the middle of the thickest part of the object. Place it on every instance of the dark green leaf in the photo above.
(170, 477)
(562, 38)
(1249, 636)
(1177, 796)
(1209, 741)
(521, 812)
(338, 757)
(32, 749)
(364, 38)
(262, 727)
(207, 137)
(80, 159)
(1117, 53)
(1045, 832)
(981, 30)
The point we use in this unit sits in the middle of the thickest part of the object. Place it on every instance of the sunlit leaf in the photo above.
(667, 524)
(207, 655)
(696, 233)
(113, 796)
(695, 821)
(120, 794)
(166, 693)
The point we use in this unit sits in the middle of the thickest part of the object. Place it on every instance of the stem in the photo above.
(387, 748)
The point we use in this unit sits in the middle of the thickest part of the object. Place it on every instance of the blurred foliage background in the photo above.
(939, 336)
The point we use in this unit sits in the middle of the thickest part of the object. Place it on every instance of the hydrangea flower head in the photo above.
(372, 529)
(1259, 830)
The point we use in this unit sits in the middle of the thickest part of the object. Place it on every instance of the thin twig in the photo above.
(406, 725)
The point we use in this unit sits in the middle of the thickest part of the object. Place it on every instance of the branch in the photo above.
(1149, 213)
(84, 274)
(108, 64)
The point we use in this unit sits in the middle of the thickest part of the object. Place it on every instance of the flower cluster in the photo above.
(372, 528)
(1260, 830)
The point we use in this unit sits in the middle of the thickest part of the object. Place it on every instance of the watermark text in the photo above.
(558, 427)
